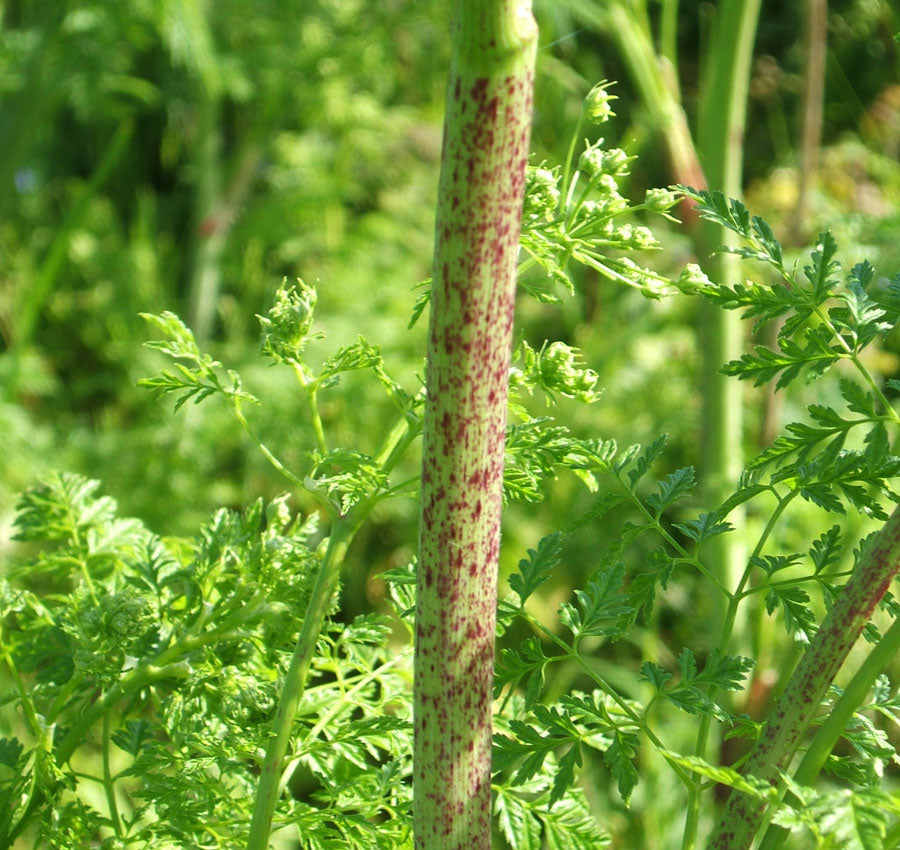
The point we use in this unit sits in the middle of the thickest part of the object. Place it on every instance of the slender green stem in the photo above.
(264, 449)
(270, 787)
(312, 398)
(108, 784)
(720, 140)
(685, 556)
(692, 821)
(38, 729)
(668, 32)
(571, 652)
(404, 432)
(326, 718)
(568, 181)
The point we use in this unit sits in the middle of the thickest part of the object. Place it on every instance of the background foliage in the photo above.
(188, 156)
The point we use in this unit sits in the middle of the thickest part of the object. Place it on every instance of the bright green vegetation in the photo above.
(690, 652)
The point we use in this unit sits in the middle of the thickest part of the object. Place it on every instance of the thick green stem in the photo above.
(270, 779)
(720, 136)
(656, 81)
(486, 138)
(802, 697)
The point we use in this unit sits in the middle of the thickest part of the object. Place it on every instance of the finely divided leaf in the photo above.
(517, 823)
(535, 569)
(724, 776)
(642, 586)
(726, 672)
(816, 357)
(655, 675)
(133, 736)
(645, 461)
(672, 487)
(704, 527)
(799, 620)
(773, 563)
(733, 215)
(619, 759)
(525, 664)
(822, 268)
(601, 607)
(826, 549)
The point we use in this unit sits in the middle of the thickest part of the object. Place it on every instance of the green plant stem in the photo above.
(655, 81)
(108, 785)
(312, 398)
(720, 135)
(573, 655)
(270, 785)
(486, 141)
(802, 697)
(37, 728)
(663, 532)
(668, 36)
(266, 451)
(837, 719)
(692, 821)
(358, 683)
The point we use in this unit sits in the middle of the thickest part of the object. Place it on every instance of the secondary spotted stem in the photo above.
(800, 701)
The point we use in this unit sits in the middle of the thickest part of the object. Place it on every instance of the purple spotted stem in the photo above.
(486, 138)
(803, 695)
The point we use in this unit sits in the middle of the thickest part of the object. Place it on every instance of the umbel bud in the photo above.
(597, 103)
(285, 327)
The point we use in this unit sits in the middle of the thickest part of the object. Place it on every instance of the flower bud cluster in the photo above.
(563, 371)
(285, 328)
(636, 236)
(541, 195)
(660, 200)
(556, 368)
(651, 284)
(107, 631)
(693, 279)
(595, 161)
(244, 698)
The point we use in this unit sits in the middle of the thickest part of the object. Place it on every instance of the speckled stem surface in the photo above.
(486, 138)
(800, 701)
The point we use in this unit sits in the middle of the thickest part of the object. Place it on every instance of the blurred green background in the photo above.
(187, 155)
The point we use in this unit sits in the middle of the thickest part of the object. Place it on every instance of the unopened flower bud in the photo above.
(693, 279)
(596, 104)
(660, 200)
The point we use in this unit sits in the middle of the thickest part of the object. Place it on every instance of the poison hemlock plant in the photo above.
(207, 675)
(201, 693)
